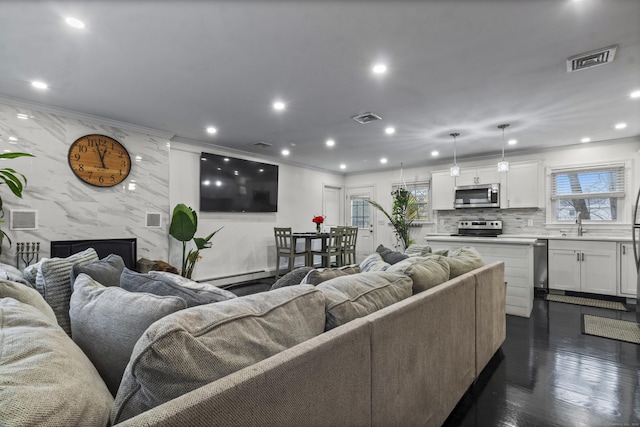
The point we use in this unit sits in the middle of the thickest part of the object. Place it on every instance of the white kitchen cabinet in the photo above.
(628, 274)
(442, 190)
(583, 266)
(481, 175)
(521, 186)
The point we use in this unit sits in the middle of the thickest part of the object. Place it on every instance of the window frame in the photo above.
(412, 186)
(623, 216)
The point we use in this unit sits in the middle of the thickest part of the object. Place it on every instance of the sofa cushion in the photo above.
(105, 271)
(9, 272)
(193, 347)
(373, 262)
(389, 255)
(319, 275)
(26, 295)
(350, 297)
(443, 252)
(53, 281)
(215, 293)
(292, 278)
(463, 260)
(425, 272)
(45, 379)
(168, 286)
(417, 250)
(106, 323)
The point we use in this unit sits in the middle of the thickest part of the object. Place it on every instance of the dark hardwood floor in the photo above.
(549, 374)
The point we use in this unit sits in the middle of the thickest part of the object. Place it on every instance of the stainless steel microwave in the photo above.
(477, 196)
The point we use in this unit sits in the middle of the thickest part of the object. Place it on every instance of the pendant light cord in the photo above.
(503, 128)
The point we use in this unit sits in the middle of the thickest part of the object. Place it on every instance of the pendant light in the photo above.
(503, 166)
(455, 169)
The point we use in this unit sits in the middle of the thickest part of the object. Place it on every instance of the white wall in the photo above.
(69, 209)
(580, 154)
(245, 247)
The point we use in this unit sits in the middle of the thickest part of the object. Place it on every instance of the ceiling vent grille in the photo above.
(262, 144)
(366, 118)
(591, 59)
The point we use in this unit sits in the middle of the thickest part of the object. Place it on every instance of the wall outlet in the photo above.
(529, 223)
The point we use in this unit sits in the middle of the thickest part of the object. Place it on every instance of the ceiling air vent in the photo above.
(591, 59)
(366, 118)
(262, 144)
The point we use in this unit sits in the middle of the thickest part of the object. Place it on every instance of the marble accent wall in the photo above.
(69, 209)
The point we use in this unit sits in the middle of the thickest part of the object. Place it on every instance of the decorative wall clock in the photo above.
(99, 160)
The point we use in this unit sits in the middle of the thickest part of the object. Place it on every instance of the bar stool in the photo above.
(286, 248)
(350, 236)
(333, 248)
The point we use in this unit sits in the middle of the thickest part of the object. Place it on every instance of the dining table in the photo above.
(309, 237)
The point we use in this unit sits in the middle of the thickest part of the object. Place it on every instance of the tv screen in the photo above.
(228, 184)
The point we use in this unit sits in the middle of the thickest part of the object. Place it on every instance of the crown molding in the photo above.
(82, 116)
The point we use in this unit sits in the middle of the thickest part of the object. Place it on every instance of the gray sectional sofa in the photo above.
(377, 362)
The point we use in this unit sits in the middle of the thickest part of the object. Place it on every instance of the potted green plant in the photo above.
(403, 213)
(184, 224)
(16, 183)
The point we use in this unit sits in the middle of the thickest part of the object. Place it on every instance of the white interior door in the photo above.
(361, 214)
(332, 206)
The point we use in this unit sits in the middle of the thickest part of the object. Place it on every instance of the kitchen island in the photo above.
(517, 253)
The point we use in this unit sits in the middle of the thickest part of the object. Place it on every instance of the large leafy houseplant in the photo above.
(184, 224)
(404, 211)
(16, 183)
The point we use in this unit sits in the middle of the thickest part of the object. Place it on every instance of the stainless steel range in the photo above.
(479, 228)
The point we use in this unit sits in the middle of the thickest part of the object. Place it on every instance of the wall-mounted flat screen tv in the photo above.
(228, 184)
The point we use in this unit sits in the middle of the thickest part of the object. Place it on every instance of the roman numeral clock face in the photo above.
(99, 160)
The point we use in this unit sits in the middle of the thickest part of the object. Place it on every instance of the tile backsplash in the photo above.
(514, 221)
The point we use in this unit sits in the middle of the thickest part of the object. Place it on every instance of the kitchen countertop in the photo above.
(524, 239)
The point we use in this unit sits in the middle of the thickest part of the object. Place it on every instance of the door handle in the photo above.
(578, 256)
(582, 256)
(624, 250)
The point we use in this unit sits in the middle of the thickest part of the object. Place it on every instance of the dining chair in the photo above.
(286, 248)
(348, 251)
(333, 248)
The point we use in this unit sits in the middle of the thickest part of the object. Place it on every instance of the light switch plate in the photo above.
(529, 223)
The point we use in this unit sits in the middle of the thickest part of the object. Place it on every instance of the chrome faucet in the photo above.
(579, 222)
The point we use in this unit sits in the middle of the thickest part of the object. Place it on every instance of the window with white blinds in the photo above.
(420, 192)
(595, 192)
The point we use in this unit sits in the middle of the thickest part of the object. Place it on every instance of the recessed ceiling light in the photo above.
(138, 158)
(383, 160)
(285, 152)
(39, 85)
(343, 166)
(206, 182)
(390, 130)
(13, 138)
(7, 151)
(22, 116)
(218, 183)
(434, 153)
(379, 69)
(620, 125)
(226, 159)
(279, 106)
(74, 22)
(513, 141)
(330, 143)
(211, 130)
(585, 139)
(635, 94)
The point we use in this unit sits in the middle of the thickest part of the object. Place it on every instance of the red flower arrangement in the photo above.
(318, 219)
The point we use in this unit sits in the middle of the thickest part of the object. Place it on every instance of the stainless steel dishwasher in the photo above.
(540, 273)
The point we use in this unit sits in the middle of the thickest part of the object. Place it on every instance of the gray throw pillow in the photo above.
(357, 295)
(106, 323)
(292, 278)
(194, 347)
(389, 255)
(45, 379)
(319, 275)
(463, 260)
(373, 262)
(27, 295)
(425, 272)
(163, 286)
(53, 281)
(205, 289)
(105, 271)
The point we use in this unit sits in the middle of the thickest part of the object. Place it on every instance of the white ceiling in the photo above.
(464, 66)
